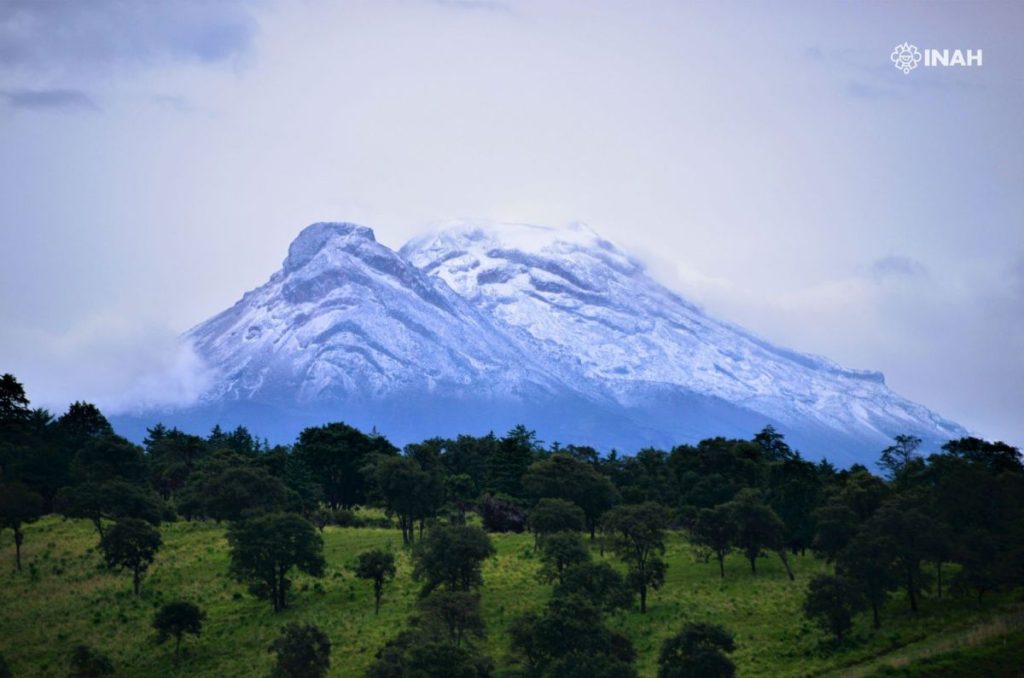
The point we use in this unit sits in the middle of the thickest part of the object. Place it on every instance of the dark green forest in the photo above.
(940, 527)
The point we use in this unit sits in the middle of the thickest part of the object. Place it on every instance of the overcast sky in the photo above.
(766, 159)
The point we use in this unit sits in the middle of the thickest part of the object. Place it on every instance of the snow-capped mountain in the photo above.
(477, 327)
(582, 301)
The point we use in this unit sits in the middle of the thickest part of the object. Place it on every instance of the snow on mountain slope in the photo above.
(347, 318)
(583, 301)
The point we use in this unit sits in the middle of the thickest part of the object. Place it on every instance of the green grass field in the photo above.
(66, 597)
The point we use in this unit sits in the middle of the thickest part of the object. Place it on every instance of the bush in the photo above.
(303, 651)
(89, 663)
(502, 515)
(346, 518)
(698, 651)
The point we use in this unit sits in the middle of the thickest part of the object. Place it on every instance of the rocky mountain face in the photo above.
(477, 327)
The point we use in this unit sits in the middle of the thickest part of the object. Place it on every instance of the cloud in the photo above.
(173, 102)
(121, 365)
(898, 266)
(49, 99)
(487, 5)
(948, 337)
(71, 36)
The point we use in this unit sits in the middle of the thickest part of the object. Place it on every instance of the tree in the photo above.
(266, 548)
(559, 552)
(18, 505)
(456, 611)
(337, 454)
(5, 670)
(832, 601)
(451, 556)
(239, 441)
(81, 423)
(131, 544)
(514, 454)
(757, 526)
(868, 561)
(910, 531)
(109, 457)
(698, 651)
(569, 638)
(995, 457)
(794, 492)
(86, 662)
(715, 529)
(600, 583)
(554, 515)
(460, 491)
(637, 535)
(405, 490)
(174, 620)
(172, 457)
(897, 458)
(110, 500)
(425, 653)
(439, 642)
(14, 410)
(302, 651)
(563, 477)
(379, 567)
(773, 445)
(836, 524)
(241, 492)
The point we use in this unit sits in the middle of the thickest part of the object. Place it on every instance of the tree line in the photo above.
(949, 523)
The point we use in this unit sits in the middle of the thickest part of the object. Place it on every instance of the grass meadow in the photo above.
(65, 597)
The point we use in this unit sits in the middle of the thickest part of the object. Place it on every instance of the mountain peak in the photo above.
(316, 236)
(509, 235)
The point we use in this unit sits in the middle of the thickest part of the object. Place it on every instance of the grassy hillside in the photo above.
(66, 597)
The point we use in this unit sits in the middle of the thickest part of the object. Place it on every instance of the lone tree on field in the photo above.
(698, 651)
(637, 534)
(303, 651)
(832, 602)
(264, 550)
(18, 505)
(452, 556)
(379, 567)
(131, 544)
(174, 620)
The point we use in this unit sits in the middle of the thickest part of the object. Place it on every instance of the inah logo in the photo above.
(906, 57)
